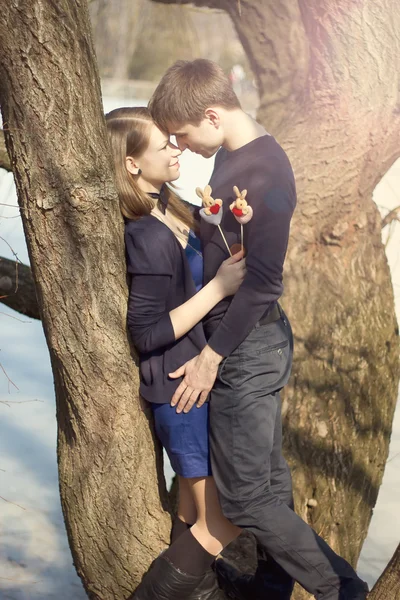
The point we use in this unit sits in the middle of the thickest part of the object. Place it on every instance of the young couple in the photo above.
(208, 326)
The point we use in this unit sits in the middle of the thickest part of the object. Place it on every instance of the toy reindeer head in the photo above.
(211, 206)
(240, 202)
(239, 207)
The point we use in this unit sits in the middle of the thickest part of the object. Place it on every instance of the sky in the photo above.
(35, 561)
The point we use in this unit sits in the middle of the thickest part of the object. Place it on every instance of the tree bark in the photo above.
(113, 493)
(328, 79)
(388, 585)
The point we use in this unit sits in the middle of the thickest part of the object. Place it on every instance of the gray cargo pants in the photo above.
(251, 474)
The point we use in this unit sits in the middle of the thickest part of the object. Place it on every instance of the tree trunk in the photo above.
(388, 585)
(114, 505)
(328, 79)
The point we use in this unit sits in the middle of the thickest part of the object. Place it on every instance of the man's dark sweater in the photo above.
(261, 167)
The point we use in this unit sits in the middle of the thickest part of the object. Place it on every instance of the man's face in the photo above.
(204, 138)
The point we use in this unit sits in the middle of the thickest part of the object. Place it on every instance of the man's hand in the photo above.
(199, 376)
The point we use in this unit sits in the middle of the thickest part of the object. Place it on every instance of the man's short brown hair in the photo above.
(187, 89)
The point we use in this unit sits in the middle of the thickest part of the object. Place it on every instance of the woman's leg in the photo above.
(195, 550)
(178, 572)
(212, 530)
(186, 513)
(183, 570)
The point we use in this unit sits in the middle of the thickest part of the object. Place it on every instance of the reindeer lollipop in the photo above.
(241, 210)
(212, 210)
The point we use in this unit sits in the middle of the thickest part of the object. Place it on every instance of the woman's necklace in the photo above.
(182, 235)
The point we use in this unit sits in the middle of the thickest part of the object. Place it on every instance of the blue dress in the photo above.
(185, 435)
(195, 259)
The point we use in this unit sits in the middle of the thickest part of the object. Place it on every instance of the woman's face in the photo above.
(159, 162)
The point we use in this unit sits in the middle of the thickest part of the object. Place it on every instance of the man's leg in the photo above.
(270, 580)
(244, 413)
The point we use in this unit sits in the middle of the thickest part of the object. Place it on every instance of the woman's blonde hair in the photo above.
(129, 131)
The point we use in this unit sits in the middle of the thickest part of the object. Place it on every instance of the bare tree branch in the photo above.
(4, 159)
(17, 289)
(387, 587)
(393, 215)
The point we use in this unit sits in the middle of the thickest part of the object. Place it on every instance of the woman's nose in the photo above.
(176, 151)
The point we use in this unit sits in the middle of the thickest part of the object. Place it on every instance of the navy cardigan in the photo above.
(161, 280)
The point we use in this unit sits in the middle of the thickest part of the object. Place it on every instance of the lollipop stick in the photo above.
(241, 236)
(224, 238)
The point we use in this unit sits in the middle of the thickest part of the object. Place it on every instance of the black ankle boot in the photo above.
(263, 584)
(208, 588)
(235, 584)
(165, 582)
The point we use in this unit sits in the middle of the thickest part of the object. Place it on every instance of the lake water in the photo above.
(35, 561)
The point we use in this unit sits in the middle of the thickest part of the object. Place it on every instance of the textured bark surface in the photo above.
(328, 78)
(388, 585)
(56, 137)
(17, 288)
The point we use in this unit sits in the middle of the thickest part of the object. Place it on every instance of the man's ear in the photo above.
(132, 166)
(212, 115)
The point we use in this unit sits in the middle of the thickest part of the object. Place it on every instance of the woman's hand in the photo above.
(231, 274)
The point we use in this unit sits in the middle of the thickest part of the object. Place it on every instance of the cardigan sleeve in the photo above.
(150, 261)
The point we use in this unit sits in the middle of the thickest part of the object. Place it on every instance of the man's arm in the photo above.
(266, 240)
(266, 243)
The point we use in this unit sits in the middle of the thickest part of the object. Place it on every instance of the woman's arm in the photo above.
(148, 320)
(226, 282)
(151, 262)
(152, 327)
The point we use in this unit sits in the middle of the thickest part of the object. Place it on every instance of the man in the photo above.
(248, 356)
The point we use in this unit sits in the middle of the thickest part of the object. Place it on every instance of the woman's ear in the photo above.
(132, 166)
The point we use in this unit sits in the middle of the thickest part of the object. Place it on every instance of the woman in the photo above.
(164, 319)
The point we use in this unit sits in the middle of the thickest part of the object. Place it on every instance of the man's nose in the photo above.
(181, 145)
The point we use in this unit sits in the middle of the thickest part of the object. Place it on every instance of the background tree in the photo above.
(116, 26)
(320, 104)
(139, 39)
